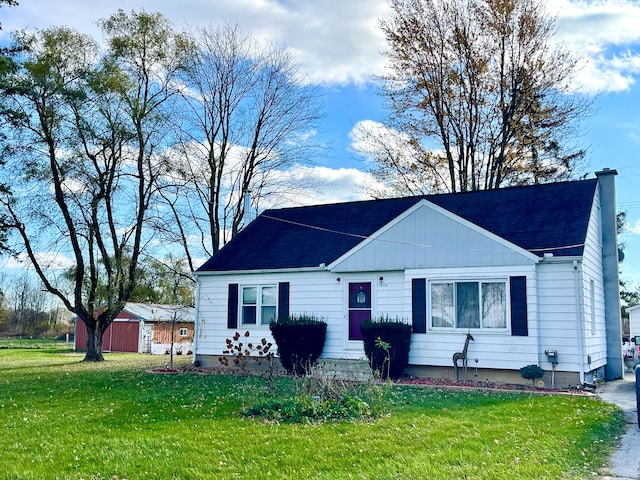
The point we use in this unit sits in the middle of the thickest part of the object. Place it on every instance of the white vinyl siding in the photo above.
(592, 295)
(551, 307)
(559, 315)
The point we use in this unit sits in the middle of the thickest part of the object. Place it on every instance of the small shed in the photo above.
(146, 328)
(634, 320)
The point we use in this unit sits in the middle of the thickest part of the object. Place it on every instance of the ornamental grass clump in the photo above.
(300, 340)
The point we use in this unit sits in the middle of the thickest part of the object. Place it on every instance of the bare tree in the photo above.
(5, 67)
(83, 130)
(246, 118)
(480, 93)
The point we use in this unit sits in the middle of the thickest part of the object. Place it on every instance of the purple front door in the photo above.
(359, 307)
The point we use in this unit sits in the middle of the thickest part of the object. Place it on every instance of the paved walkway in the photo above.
(625, 462)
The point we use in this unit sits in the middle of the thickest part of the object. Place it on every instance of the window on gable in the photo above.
(183, 332)
(258, 304)
(469, 304)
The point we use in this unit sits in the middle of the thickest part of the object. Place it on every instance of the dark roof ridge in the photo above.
(427, 196)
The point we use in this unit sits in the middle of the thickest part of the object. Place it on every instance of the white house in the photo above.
(531, 272)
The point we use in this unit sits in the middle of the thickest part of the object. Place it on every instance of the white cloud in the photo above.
(606, 34)
(614, 74)
(338, 42)
(635, 229)
(47, 260)
(321, 185)
(335, 41)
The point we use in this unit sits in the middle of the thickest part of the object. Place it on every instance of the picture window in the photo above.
(469, 304)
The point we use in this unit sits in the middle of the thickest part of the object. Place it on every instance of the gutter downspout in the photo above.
(579, 321)
(538, 317)
(197, 321)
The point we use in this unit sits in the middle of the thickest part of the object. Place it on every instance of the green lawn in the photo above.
(34, 342)
(62, 419)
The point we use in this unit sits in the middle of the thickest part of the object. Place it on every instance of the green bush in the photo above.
(300, 340)
(305, 409)
(531, 372)
(386, 344)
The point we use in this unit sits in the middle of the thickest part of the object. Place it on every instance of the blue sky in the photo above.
(338, 45)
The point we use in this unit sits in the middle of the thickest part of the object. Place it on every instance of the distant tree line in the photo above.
(26, 309)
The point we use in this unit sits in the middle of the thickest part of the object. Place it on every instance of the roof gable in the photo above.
(538, 218)
(428, 236)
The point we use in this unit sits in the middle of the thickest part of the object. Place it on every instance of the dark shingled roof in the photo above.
(539, 218)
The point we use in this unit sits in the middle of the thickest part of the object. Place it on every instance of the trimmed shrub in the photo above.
(300, 340)
(531, 372)
(386, 344)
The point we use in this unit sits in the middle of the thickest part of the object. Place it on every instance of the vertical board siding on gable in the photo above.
(427, 238)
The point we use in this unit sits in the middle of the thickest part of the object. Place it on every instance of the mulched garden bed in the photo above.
(407, 380)
(486, 385)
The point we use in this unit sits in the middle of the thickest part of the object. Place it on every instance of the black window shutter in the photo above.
(419, 305)
(518, 291)
(232, 306)
(283, 299)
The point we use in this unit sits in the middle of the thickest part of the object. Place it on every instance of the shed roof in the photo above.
(539, 218)
(160, 312)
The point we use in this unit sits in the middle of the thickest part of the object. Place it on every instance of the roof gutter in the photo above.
(550, 258)
(320, 268)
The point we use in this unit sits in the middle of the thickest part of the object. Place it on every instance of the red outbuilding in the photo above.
(145, 328)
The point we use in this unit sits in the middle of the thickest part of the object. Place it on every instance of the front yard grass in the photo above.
(62, 419)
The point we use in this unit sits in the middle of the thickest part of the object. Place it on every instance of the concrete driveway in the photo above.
(624, 464)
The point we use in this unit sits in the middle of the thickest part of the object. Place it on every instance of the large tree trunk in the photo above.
(94, 342)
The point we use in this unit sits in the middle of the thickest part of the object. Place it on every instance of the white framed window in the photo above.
(258, 304)
(469, 304)
(183, 332)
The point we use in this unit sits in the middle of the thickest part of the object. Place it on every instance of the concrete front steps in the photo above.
(348, 370)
